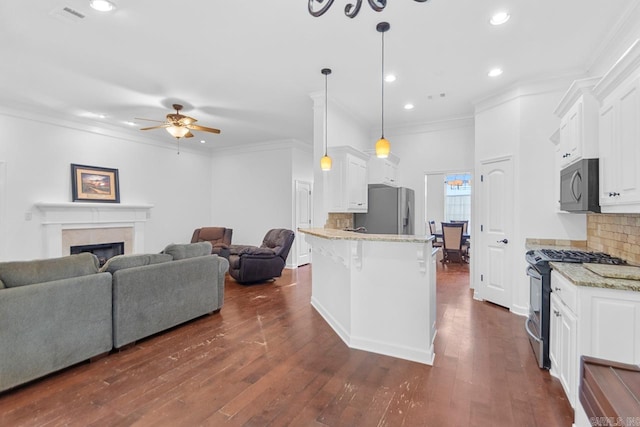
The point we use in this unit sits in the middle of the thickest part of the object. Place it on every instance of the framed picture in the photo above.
(94, 184)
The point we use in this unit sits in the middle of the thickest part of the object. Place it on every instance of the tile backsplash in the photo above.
(615, 234)
(339, 221)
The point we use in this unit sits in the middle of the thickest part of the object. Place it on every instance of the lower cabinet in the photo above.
(594, 322)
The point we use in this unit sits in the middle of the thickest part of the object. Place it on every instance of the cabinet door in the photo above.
(571, 135)
(629, 153)
(620, 149)
(563, 350)
(607, 164)
(357, 189)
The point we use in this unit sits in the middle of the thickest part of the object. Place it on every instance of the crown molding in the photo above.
(575, 91)
(628, 64)
(275, 145)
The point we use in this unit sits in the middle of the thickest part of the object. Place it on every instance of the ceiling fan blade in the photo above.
(188, 135)
(149, 120)
(156, 127)
(203, 128)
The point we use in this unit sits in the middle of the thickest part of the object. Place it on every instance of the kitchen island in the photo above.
(377, 291)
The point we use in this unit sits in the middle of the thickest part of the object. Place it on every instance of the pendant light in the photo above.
(382, 146)
(325, 161)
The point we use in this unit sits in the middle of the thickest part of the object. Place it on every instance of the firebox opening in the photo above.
(103, 251)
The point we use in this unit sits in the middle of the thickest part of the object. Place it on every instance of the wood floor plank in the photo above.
(268, 358)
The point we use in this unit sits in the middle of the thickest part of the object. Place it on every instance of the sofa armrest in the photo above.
(257, 252)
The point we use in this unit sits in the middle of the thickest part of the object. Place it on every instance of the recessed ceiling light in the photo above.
(202, 141)
(408, 106)
(390, 78)
(102, 5)
(495, 72)
(500, 18)
(130, 123)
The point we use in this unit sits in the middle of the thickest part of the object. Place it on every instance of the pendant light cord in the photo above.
(326, 113)
(382, 80)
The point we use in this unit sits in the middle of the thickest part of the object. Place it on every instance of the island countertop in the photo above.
(333, 234)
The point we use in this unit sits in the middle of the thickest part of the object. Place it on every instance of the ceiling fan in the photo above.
(179, 125)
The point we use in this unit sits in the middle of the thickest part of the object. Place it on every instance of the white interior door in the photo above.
(303, 220)
(496, 225)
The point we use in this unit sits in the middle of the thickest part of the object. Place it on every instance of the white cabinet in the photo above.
(347, 189)
(590, 321)
(578, 112)
(384, 171)
(619, 134)
(562, 349)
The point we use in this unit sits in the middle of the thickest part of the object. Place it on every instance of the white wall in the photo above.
(436, 147)
(254, 188)
(38, 155)
(519, 123)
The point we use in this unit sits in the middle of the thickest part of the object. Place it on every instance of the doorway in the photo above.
(448, 197)
(303, 220)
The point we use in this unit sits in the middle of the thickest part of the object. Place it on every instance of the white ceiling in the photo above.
(248, 67)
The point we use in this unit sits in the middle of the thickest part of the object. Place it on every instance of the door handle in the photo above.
(505, 241)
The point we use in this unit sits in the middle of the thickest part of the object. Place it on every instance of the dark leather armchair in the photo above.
(249, 264)
(219, 237)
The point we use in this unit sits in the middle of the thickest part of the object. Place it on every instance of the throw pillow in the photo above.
(188, 250)
(120, 262)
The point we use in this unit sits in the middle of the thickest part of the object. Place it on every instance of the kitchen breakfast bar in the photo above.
(377, 291)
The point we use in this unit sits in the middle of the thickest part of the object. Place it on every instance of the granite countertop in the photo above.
(333, 234)
(570, 245)
(581, 276)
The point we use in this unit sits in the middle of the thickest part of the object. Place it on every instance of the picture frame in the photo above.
(94, 184)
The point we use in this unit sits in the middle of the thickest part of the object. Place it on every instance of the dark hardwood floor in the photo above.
(267, 358)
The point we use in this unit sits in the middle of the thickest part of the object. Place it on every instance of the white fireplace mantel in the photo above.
(59, 216)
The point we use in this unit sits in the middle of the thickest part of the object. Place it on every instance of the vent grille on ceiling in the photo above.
(73, 12)
(68, 14)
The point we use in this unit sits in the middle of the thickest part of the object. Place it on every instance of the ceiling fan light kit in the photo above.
(180, 126)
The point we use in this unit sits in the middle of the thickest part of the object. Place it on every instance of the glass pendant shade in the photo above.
(383, 148)
(177, 131)
(325, 163)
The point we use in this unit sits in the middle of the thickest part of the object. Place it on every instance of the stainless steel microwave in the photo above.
(579, 191)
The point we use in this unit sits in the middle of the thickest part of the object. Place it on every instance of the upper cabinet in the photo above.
(578, 112)
(619, 134)
(347, 186)
(384, 171)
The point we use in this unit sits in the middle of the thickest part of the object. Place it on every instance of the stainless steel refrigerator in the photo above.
(391, 210)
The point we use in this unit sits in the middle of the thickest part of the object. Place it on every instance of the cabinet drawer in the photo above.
(565, 290)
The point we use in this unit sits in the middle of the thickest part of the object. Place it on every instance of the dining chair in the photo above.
(452, 249)
(437, 240)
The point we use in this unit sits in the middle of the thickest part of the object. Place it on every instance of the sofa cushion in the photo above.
(21, 273)
(187, 250)
(120, 262)
(267, 252)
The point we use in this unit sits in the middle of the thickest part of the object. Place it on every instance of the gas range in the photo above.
(544, 256)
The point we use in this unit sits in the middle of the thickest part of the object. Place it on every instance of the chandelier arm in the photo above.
(378, 5)
(322, 9)
(352, 10)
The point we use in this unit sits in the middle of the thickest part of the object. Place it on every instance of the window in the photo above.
(457, 197)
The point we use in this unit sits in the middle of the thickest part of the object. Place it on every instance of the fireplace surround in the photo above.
(72, 224)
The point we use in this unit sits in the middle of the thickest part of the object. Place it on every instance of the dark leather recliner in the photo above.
(249, 264)
(219, 237)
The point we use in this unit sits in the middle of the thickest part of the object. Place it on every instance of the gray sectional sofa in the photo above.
(57, 312)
